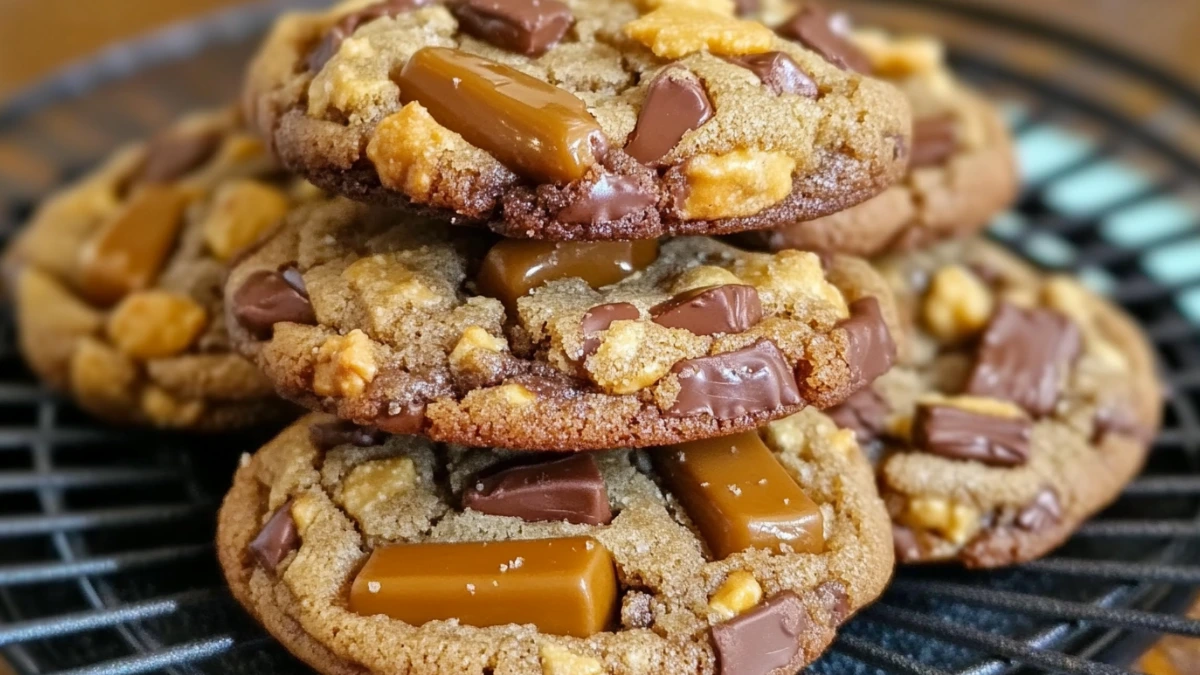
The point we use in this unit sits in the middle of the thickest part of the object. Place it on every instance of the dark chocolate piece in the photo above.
(673, 107)
(1024, 357)
(570, 489)
(813, 27)
(750, 380)
(778, 72)
(870, 350)
(947, 431)
(266, 298)
(528, 27)
(732, 308)
(276, 539)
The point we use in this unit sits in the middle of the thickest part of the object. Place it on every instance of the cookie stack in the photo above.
(570, 289)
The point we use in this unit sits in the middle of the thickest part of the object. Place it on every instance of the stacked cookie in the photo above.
(570, 290)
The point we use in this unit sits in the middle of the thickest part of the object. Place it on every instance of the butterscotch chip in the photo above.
(467, 340)
(116, 282)
(410, 566)
(740, 183)
(571, 120)
(1002, 434)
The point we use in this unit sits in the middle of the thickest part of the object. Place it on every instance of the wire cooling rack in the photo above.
(106, 561)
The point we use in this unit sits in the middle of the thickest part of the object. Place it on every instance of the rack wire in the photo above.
(106, 561)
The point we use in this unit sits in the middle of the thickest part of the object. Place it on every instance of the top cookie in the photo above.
(117, 279)
(579, 120)
(962, 169)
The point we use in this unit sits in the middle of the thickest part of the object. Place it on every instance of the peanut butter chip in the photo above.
(675, 30)
(126, 254)
(534, 128)
(156, 324)
(737, 184)
(242, 212)
(676, 103)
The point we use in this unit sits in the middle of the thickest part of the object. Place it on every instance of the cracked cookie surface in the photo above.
(414, 326)
(117, 280)
(962, 167)
(1024, 404)
(306, 553)
(577, 120)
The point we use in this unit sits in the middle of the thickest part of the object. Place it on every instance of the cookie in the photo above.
(1023, 404)
(367, 554)
(578, 120)
(117, 280)
(415, 326)
(962, 170)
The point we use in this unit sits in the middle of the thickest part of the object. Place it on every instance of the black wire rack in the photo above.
(106, 560)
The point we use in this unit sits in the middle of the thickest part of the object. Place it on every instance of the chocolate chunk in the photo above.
(599, 318)
(1024, 357)
(813, 27)
(750, 380)
(745, 7)
(570, 489)
(1044, 512)
(870, 350)
(763, 639)
(332, 40)
(947, 431)
(267, 298)
(276, 539)
(610, 198)
(732, 308)
(934, 140)
(865, 413)
(906, 544)
(332, 434)
(778, 72)
(174, 154)
(405, 419)
(527, 27)
(1115, 418)
(673, 107)
(833, 596)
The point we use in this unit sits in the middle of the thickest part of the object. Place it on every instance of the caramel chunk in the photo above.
(527, 27)
(562, 586)
(732, 308)
(126, 254)
(534, 128)
(740, 496)
(750, 380)
(676, 103)
(512, 268)
(569, 489)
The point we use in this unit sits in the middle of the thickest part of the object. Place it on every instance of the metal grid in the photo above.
(106, 564)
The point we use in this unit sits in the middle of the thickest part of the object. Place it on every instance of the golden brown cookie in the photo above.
(962, 168)
(579, 119)
(1023, 406)
(117, 279)
(415, 326)
(366, 554)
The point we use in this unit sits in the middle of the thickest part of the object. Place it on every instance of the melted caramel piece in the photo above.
(512, 267)
(563, 586)
(740, 496)
(126, 254)
(533, 128)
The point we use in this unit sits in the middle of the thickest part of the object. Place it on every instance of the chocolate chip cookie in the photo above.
(415, 326)
(578, 119)
(367, 554)
(1022, 406)
(117, 280)
(962, 169)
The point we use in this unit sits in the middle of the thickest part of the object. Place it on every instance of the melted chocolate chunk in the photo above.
(870, 350)
(1044, 512)
(172, 155)
(750, 380)
(332, 434)
(955, 433)
(267, 298)
(569, 489)
(405, 419)
(673, 107)
(778, 72)
(610, 198)
(813, 27)
(865, 413)
(528, 27)
(333, 38)
(276, 539)
(599, 318)
(1024, 357)
(732, 308)
(763, 639)
(934, 140)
